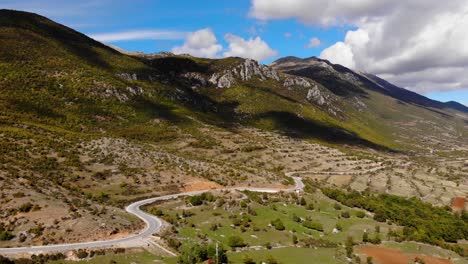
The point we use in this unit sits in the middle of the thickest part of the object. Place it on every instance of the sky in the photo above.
(420, 45)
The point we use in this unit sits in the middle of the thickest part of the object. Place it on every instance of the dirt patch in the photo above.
(197, 184)
(458, 203)
(384, 255)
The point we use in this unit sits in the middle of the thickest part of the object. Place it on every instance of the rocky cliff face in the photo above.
(244, 72)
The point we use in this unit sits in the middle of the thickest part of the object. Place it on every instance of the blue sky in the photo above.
(258, 29)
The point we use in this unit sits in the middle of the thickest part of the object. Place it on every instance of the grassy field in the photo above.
(292, 255)
(230, 221)
(139, 256)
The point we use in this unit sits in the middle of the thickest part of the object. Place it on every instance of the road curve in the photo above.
(153, 223)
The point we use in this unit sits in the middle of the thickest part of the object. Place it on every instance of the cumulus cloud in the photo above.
(313, 43)
(201, 43)
(253, 48)
(417, 44)
(139, 35)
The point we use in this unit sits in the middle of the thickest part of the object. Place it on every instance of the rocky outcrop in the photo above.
(244, 71)
(224, 80)
(296, 81)
(107, 91)
(127, 76)
(323, 100)
(315, 95)
(195, 79)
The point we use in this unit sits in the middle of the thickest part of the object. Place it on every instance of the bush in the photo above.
(278, 224)
(5, 235)
(345, 214)
(236, 241)
(26, 207)
(296, 218)
(196, 200)
(313, 225)
(360, 214)
(81, 254)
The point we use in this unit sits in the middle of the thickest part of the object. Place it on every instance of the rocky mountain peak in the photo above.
(244, 71)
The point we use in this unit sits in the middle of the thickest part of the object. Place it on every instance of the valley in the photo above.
(86, 131)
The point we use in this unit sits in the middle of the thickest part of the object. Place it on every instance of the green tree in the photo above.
(365, 237)
(349, 246)
(294, 239)
(303, 202)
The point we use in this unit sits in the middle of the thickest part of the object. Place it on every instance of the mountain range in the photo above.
(56, 76)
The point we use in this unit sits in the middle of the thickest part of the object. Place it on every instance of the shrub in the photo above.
(236, 241)
(360, 214)
(5, 235)
(278, 224)
(313, 225)
(26, 207)
(345, 214)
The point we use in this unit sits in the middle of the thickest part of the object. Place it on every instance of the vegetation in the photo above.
(313, 225)
(421, 221)
(201, 253)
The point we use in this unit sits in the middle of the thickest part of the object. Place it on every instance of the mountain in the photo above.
(85, 129)
(390, 107)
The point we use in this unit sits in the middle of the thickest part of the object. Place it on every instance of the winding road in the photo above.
(153, 223)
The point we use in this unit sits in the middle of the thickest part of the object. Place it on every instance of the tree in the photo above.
(303, 202)
(369, 260)
(294, 239)
(349, 246)
(199, 253)
(196, 200)
(220, 254)
(365, 237)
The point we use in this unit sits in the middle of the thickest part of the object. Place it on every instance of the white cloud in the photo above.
(201, 43)
(419, 44)
(313, 43)
(287, 34)
(139, 35)
(253, 48)
(339, 53)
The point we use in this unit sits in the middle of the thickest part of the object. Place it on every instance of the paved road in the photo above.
(153, 224)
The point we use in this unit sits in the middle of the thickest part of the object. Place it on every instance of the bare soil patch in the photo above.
(384, 255)
(458, 203)
(196, 184)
